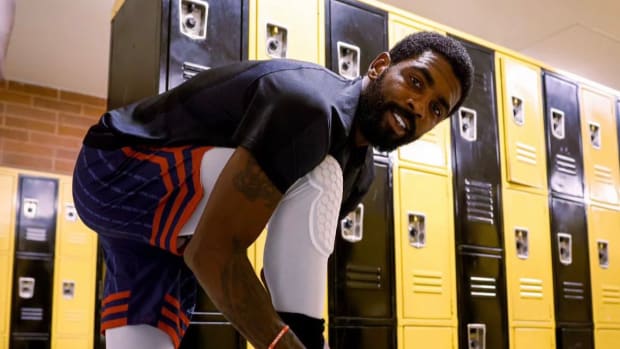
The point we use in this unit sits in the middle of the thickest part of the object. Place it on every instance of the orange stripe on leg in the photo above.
(113, 323)
(171, 332)
(115, 309)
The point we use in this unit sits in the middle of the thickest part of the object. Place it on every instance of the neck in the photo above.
(357, 137)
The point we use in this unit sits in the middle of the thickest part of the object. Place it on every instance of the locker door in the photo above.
(575, 338)
(362, 337)
(482, 298)
(563, 133)
(571, 268)
(533, 338)
(522, 124)
(205, 34)
(604, 244)
(607, 339)
(356, 34)
(426, 230)
(528, 257)
(36, 218)
(429, 337)
(290, 29)
(73, 319)
(431, 151)
(362, 280)
(600, 147)
(476, 157)
(8, 186)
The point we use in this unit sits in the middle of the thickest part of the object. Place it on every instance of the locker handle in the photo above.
(416, 229)
(565, 248)
(468, 124)
(352, 226)
(68, 289)
(193, 16)
(30, 207)
(70, 212)
(522, 243)
(603, 253)
(476, 336)
(518, 113)
(348, 60)
(595, 134)
(26, 287)
(276, 43)
(558, 122)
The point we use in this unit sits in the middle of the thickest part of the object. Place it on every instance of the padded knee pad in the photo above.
(300, 239)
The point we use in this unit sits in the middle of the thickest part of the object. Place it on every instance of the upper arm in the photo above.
(238, 208)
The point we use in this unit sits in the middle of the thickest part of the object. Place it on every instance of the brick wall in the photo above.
(42, 128)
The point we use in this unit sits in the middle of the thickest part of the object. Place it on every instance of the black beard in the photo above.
(369, 118)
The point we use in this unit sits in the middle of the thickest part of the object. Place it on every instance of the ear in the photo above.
(379, 65)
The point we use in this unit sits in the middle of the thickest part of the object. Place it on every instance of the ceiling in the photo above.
(65, 43)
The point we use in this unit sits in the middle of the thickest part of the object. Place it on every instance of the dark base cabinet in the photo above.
(575, 338)
(362, 337)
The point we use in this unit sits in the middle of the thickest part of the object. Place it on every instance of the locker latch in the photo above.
(348, 60)
(352, 226)
(557, 123)
(193, 16)
(191, 69)
(68, 289)
(416, 229)
(276, 41)
(518, 114)
(468, 124)
(476, 336)
(70, 212)
(26, 287)
(565, 248)
(603, 253)
(522, 243)
(595, 134)
(30, 207)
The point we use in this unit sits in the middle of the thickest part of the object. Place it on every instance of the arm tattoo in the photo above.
(254, 184)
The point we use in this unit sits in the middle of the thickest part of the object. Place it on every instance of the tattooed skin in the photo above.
(255, 185)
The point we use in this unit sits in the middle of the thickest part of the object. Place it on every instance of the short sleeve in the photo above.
(285, 128)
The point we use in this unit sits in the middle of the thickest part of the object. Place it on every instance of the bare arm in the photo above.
(238, 209)
(7, 13)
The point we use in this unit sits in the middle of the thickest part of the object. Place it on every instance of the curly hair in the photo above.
(417, 43)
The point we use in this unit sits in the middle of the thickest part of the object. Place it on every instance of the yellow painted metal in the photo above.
(297, 25)
(432, 151)
(607, 338)
(75, 267)
(603, 239)
(429, 337)
(532, 338)
(8, 188)
(528, 257)
(600, 146)
(522, 137)
(426, 266)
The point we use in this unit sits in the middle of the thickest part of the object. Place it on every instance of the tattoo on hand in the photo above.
(254, 184)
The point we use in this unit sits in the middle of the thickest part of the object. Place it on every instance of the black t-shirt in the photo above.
(288, 114)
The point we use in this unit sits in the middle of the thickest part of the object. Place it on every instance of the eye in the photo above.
(417, 83)
(436, 109)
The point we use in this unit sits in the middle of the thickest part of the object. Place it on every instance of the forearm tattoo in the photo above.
(254, 184)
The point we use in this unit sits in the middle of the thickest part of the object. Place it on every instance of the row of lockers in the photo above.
(47, 264)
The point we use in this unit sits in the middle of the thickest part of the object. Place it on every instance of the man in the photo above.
(281, 142)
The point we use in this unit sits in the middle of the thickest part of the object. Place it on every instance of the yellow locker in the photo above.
(75, 268)
(607, 339)
(426, 246)
(289, 29)
(428, 337)
(522, 132)
(533, 338)
(8, 188)
(528, 257)
(604, 244)
(600, 147)
(432, 151)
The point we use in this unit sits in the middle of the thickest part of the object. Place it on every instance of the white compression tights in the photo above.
(300, 239)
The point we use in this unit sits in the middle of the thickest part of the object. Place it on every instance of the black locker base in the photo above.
(362, 337)
(575, 338)
(212, 335)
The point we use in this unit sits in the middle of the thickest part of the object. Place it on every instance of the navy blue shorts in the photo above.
(137, 199)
